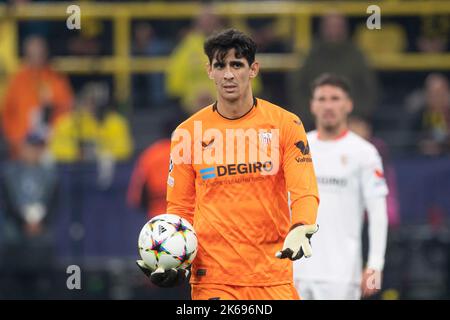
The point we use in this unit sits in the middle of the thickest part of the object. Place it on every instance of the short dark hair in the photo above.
(220, 43)
(334, 80)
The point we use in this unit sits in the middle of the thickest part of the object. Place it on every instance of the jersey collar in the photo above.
(255, 104)
(339, 137)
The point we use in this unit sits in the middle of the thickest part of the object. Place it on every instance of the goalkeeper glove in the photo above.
(297, 243)
(164, 278)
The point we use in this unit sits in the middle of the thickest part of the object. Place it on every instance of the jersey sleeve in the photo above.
(299, 172)
(372, 175)
(180, 184)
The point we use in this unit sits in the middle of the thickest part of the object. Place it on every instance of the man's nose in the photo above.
(228, 74)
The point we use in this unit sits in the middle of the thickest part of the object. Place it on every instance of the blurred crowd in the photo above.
(50, 119)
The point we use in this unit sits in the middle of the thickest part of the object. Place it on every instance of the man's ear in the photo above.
(254, 69)
(311, 106)
(349, 106)
(209, 70)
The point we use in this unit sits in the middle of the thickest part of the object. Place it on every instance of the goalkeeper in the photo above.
(235, 190)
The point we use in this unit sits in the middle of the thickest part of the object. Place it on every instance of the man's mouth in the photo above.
(229, 86)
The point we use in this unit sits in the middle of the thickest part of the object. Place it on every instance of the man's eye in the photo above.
(218, 65)
(236, 64)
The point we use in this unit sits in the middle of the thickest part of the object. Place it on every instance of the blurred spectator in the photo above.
(93, 133)
(430, 120)
(8, 58)
(334, 52)
(29, 193)
(273, 36)
(434, 34)
(87, 41)
(8, 62)
(362, 128)
(185, 75)
(148, 89)
(82, 45)
(148, 184)
(36, 96)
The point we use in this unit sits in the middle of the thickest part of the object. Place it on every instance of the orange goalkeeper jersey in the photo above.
(231, 179)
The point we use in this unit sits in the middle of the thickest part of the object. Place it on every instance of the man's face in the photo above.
(36, 52)
(31, 154)
(331, 106)
(437, 94)
(232, 76)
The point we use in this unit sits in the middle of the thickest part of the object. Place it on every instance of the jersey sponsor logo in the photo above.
(333, 181)
(304, 148)
(222, 146)
(243, 168)
(237, 180)
(235, 169)
(301, 159)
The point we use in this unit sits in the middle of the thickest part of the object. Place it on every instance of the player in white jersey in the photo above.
(350, 180)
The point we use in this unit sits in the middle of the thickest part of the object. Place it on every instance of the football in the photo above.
(167, 241)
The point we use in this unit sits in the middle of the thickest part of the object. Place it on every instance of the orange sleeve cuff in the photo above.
(304, 210)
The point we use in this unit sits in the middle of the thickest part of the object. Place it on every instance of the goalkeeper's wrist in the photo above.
(295, 225)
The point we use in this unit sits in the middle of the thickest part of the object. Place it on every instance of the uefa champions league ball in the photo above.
(167, 241)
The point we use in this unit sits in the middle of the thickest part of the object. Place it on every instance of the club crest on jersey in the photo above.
(265, 137)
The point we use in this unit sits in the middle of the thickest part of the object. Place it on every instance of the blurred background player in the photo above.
(29, 189)
(148, 182)
(350, 179)
(364, 129)
(94, 132)
(334, 52)
(35, 97)
(241, 224)
(429, 116)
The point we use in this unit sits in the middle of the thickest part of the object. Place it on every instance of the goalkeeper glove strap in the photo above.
(164, 278)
